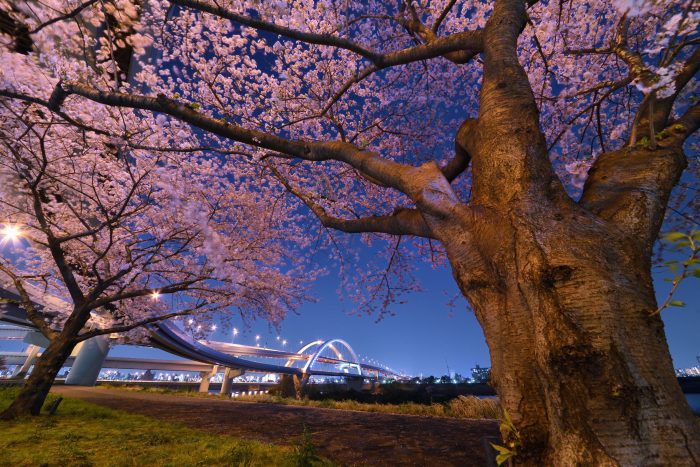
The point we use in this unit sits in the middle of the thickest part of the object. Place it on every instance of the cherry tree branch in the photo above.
(443, 14)
(463, 145)
(402, 221)
(35, 100)
(128, 327)
(262, 25)
(689, 121)
(169, 289)
(71, 14)
(386, 171)
(467, 40)
(28, 304)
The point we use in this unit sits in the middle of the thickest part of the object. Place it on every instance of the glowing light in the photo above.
(235, 332)
(10, 233)
(213, 327)
(190, 321)
(155, 295)
(284, 342)
(257, 338)
(278, 337)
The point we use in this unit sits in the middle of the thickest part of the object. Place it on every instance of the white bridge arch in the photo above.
(332, 344)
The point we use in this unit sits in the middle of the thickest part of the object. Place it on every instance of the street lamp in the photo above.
(155, 295)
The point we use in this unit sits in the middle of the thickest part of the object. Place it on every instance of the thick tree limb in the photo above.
(467, 40)
(689, 123)
(472, 40)
(630, 187)
(463, 142)
(510, 157)
(661, 110)
(384, 170)
(128, 327)
(262, 25)
(402, 221)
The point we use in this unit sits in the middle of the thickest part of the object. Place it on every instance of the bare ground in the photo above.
(347, 437)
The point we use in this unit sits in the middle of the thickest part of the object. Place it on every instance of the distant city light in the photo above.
(213, 327)
(190, 321)
(278, 337)
(257, 338)
(284, 342)
(155, 295)
(235, 332)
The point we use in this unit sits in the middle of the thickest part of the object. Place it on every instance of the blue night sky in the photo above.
(426, 335)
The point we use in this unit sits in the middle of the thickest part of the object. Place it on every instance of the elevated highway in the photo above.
(333, 357)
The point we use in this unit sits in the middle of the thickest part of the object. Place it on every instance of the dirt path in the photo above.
(347, 437)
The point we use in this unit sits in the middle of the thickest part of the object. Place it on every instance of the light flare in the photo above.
(10, 233)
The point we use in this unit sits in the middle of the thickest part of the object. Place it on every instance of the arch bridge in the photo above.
(333, 357)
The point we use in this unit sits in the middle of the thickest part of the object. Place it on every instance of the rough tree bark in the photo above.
(563, 290)
(36, 388)
(578, 360)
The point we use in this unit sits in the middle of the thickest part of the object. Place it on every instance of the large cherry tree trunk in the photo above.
(579, 360)
(563, 288)
(36, 388)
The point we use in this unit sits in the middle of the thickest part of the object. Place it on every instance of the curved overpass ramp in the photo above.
(172, 339)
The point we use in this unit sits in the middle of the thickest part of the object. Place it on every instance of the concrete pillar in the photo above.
(229, 374)
(32, 352)
(206, 377)
(300, 385)
(87, 365)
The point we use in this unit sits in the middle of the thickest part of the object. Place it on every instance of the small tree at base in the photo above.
(126, 238)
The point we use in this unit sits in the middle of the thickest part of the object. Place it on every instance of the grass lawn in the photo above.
(83, 434)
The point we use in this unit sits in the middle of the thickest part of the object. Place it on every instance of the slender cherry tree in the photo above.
(127, 237)
(538, 147)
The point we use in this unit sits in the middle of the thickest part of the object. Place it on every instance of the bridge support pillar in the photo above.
(206, 378)
(32, 352)
(229, 374)
(87, 365)
(300, 384)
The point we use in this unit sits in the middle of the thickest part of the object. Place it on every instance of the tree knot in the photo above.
(556, 275)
